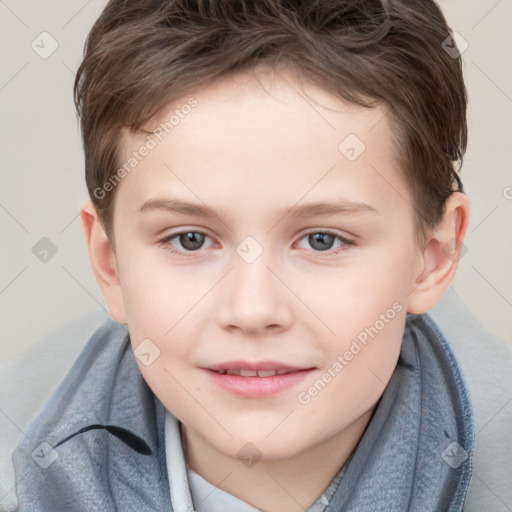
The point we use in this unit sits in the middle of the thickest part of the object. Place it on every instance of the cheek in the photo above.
(164, 312)
(366, 310)
(357, 371)
(156, 295)
(356, 297)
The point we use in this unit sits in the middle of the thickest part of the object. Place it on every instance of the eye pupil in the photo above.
(191, 240)
(321, 239)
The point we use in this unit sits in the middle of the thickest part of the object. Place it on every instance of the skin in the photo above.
(253, 147)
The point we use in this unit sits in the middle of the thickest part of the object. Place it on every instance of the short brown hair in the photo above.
(142, 54)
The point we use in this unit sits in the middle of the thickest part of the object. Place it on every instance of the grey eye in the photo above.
(321, 241)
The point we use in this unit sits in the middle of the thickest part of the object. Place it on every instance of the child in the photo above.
(274, 207)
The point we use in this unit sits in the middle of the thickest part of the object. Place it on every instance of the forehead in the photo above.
(272, 107)
(267, 137)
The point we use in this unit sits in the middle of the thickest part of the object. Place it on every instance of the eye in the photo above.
(190, 241)
(193, 241)
(322, 241)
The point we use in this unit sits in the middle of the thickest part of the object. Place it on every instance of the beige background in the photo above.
(42, 183)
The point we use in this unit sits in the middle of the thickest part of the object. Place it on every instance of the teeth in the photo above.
(244, 373)
(254, 373)
(267, 373)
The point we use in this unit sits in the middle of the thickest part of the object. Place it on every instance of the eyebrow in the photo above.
(305, 210)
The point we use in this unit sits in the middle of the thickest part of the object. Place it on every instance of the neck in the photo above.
(273, 485)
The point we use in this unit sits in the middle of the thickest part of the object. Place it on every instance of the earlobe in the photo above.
(441, 255)
(103, 261)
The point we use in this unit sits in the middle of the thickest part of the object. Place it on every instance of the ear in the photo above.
(103, 261)
(441, 255)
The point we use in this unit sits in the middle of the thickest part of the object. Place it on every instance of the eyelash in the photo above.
(188, 254)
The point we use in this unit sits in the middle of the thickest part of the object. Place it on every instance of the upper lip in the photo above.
(255, 366)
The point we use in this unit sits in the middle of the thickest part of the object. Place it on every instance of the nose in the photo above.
(252, 299)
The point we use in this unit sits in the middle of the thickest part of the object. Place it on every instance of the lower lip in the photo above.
(257, 387)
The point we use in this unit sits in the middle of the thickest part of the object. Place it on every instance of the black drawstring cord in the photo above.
(129, 438)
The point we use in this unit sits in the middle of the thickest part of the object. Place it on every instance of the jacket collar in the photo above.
(422, 429)
(102, 428)
(108, 391)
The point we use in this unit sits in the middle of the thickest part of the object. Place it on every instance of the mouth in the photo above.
(253, 373)
(256, 380)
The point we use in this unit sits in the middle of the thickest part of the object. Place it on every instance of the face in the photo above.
(268, 230)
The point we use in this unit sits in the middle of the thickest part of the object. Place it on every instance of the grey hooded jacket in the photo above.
(115, 431)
